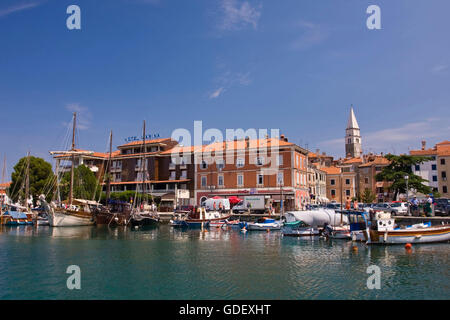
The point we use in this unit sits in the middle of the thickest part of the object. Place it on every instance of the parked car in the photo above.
(442, 207)
(399, 208)
(382, 206)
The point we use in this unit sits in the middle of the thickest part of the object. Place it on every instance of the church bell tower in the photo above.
(353, 147)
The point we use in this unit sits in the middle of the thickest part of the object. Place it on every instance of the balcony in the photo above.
(116, 169)
(172, 166)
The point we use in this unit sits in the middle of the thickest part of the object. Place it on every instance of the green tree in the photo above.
(368, 196)
(85, 184)
(399, 167)
(41, 179)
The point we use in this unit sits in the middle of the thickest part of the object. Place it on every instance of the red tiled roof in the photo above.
(379, 160)
(140, 142)
(331, 170)
(148, 181)
(352, 160)
(5, 185)
(423, 152)
(231, 145)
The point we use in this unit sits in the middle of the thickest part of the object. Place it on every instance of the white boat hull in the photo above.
(301, 232)
(263, 226)
(58, 219)
(424, 235)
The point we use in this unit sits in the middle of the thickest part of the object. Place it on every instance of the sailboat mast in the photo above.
(143, 163)
(73, 160)
(4, 169)
(108, 177)
(27, 181)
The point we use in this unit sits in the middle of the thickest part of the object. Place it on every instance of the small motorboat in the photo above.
(139, 219)
(301, 232)
(262, 224)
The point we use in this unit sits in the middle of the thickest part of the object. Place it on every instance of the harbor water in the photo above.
(166, 263)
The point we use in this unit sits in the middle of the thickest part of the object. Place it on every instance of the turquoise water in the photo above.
(163, 263)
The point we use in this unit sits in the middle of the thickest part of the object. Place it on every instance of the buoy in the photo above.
(408, 246)
(243, 229)
(355, 248)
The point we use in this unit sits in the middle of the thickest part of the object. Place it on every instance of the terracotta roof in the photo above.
(148, 181)
(5, 185)
(446, 142)
(443, 150)
(231, 145)
(377, 161)
(95, 154)
(331, 170)
(140, 142)
(352, 160)
(423, 152)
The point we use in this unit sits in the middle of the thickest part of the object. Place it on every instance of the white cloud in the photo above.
(229, 80)
(18, 7)
(310, 35)
(84, 116)
(440, 68)
(216, 93)
(239, 15)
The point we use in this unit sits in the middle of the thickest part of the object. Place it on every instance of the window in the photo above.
(377, 168)
(333, 193)
(220, 180)
(260, 179)
(184, 174)
(280, 159)
(240, 180)
(417, 167)
(203, 165)
(349, 140)
(172, 175)
(219, 164)
(444, 189)
(433, 167)
(204, 181)
(117, 177)
(434, 178)
(444, 175)
(366, 180)
(347, 181)
(298, 178)
(347, 192)
(259, 161)
(280, 179)
(332, 182)
(240, 162)
(443, 161)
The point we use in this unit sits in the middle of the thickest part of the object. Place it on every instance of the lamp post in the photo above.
(407, 195)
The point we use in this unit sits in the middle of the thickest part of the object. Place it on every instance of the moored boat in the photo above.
(262, 224)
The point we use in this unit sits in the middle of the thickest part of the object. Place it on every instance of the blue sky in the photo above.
(230, 63)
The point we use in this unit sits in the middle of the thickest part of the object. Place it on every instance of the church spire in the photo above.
(353, 147)
(352, 123)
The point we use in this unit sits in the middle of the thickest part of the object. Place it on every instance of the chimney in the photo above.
(282, 137)
(318, 151)
(424, 143)
(324, 153)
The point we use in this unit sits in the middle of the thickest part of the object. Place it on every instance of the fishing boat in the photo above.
(262, 224)
(71, 213)
(15, 218)
(381, 229)
(206, 218)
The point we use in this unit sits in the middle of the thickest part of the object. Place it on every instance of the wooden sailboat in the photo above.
(75, 212)
(140, 215)
(115, 213)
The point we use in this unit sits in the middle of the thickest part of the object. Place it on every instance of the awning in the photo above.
(168, 197)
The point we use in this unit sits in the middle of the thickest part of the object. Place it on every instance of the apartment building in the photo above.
(374, 164)
(437, 169)
(341, 183)
(317, 185)
(272, 167)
